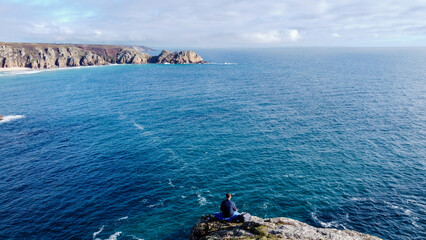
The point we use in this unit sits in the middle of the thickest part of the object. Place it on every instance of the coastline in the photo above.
(15, 69)
(19, 56)
(23, 70)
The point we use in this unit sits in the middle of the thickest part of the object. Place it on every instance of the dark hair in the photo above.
(228, 195)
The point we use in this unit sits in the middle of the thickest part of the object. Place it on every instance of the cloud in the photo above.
(263, 37)
(294, 35)
(216, 23)
(271, 37)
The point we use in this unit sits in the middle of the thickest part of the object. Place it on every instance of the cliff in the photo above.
(46, 56)
(177, 57)
(273, 228)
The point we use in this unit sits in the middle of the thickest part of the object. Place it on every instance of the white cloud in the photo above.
(218, 23)
(40, 28)
(272, 37)
(294, 35)
(263, 37)
(323, 6)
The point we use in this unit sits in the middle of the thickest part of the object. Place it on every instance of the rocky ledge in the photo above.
(208, 228)
(46, 56)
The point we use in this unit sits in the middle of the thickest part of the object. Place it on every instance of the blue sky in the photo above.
(219, 23)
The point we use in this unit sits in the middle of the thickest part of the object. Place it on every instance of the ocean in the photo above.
(334, 137)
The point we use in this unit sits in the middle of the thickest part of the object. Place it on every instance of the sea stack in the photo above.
(208, 228)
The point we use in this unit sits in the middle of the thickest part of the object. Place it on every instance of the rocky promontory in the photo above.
(184, 57)
(46, 56)
(208, 228)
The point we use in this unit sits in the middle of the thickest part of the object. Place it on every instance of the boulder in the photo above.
(208, 228)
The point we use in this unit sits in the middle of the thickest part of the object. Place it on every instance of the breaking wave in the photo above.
(97, 232)
(224, 63)
(10, 118)
(114, 236)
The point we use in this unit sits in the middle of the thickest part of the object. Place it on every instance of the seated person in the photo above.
(228, 208)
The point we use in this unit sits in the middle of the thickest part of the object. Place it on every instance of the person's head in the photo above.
(228, 196)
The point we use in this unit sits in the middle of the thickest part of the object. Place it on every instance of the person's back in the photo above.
(228, 207)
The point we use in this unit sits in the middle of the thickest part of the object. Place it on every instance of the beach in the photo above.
(15, 69)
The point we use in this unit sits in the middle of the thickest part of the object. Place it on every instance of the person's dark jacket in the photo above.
(228, 208)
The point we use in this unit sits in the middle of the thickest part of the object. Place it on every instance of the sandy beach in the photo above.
(14, 69)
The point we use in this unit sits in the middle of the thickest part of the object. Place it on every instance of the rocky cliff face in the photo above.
(183, 57)
(273, 228)
(45, 56)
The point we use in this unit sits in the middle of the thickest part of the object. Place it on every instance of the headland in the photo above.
(21, 56)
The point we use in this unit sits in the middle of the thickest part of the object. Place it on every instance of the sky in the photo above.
(219, 23)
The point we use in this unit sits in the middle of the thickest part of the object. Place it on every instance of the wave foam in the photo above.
(9, 118)
(123, 218)
(332, 224)
(225, 63)
(114, 236)
(170, 183)
(159, 204)
(138, 126)
(134, 237)
(97, 232)
(201, 200)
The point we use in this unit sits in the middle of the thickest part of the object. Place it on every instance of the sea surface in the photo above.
(332, 137)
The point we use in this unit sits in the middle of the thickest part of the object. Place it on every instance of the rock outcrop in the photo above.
(182, 57)
(273, 228)
(46, 56)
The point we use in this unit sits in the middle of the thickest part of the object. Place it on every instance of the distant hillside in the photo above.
(140, 48)
(45, 56)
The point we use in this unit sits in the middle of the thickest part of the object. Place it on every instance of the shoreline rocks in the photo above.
(47, 56)
(208, 228)
(182, 57)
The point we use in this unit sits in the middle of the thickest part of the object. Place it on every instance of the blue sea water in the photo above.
(332, 137)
